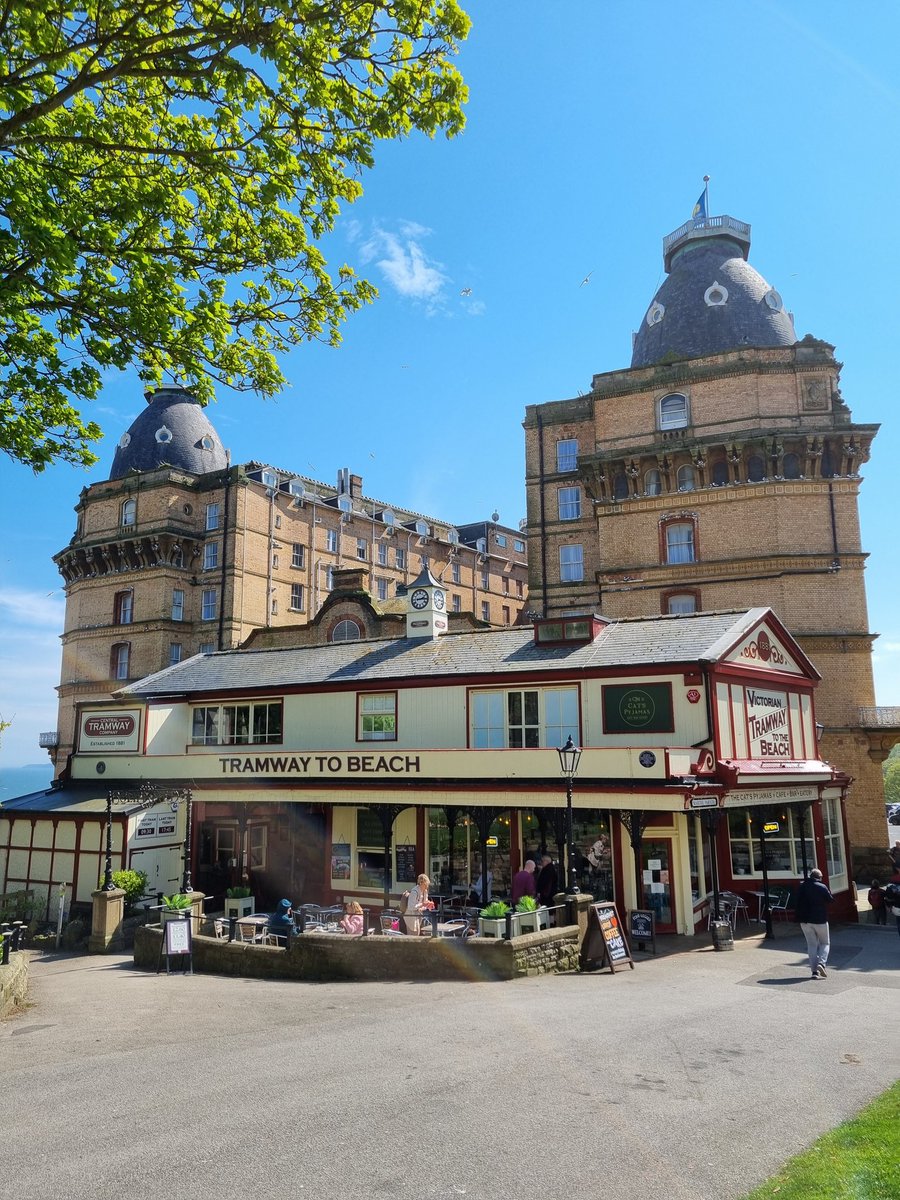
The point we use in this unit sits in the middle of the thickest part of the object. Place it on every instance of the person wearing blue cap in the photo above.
(281, 922)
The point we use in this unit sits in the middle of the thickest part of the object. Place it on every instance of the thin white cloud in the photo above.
(33, 608)
(889, 647)
(401, 258)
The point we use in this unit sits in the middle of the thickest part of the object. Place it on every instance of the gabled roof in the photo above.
(637, 642)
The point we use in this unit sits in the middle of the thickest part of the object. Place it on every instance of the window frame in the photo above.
(345, 623)
(543, 722)
(211, 556)
(297, 597)
(331, 541)
(665, 545)
(128, 513)
(566, 455)
(387, 713)
(571, 571)
(123, 607)
(178, 605)
(298, 556)
(213, 515)
(568, 503)
(206, 604)
(677, 420)
(667, 596)
(238, 723)
(120, 661)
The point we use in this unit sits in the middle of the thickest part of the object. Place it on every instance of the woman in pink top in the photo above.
(352, 920)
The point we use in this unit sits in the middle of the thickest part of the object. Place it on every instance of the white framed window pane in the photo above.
(378, 717)
(560, 716)
(680, 543)
(297, 597)
(400, 557)
(684, 603)
(455, 573)
(129, 512)
(177, 604)
(687, 479)
(673, 412)
(298, 555)
(331, 541)
(175, 652)
(210, 555)
(571, 564)
(569, 503)
(212, 516)
(652, 482)
(456, 603)
(382, 554)
(485, 610)
(488, 721)
(208, 604)
(567, 455)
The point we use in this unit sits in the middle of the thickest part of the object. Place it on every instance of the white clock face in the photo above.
(419, 598)
(438, 600)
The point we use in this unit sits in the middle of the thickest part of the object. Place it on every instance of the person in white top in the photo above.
(417, 904)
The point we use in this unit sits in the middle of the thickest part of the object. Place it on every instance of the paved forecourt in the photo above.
(691, 1077)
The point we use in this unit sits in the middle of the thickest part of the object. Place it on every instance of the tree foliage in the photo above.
(167, 168)
(892, 781)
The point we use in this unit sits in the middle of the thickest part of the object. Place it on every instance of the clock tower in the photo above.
(426, 607)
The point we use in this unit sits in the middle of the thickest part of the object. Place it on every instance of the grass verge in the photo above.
(859, 1160)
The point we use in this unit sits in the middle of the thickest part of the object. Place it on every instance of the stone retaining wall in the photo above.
(13, 984)
(329, 956)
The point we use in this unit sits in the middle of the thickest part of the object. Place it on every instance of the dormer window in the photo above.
(345, 504)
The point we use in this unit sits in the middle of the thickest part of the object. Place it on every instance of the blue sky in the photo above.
(590, 128)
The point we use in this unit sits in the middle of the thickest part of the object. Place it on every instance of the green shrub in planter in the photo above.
(495, 910)
(177, 902)
(237, 893)
(527, 904)
(132, 883)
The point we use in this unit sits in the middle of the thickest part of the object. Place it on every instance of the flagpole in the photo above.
(706, 193)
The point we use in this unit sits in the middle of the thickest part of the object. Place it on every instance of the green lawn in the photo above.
(860, 1160)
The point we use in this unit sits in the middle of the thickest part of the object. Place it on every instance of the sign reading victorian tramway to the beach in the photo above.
(110, 730)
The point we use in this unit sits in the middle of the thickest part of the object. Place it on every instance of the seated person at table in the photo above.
(352, 920)
(281, 922)
(475, 893)
(417, 904)
(523, 883)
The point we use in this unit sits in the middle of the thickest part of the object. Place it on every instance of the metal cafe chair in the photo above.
(386, 923)
(739, 906)
(458, 927)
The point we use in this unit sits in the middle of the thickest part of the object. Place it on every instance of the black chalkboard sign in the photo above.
(406, 864)
(604, 941)
(642, 927)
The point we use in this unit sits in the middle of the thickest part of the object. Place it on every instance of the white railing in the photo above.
(732, 223)
(48, 740)
(869, 717)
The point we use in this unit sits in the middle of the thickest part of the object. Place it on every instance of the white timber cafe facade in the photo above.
(335, 771)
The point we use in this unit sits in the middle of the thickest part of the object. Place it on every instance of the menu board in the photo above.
(406, 864)
(642, 928)
(177, 943)
(605, 941)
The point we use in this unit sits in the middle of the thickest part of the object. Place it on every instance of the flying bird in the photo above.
(587, 279)
(466, 292)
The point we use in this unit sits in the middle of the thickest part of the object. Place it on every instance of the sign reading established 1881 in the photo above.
(604, 941)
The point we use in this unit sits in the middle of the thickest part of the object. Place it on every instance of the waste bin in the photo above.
(722, 937)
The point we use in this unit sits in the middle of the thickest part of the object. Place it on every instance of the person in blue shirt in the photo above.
(811, 907)
(281, 922)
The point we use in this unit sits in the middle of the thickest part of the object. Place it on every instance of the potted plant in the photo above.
(176, 907)
(492, 920)
(239, 902)
(530, 916)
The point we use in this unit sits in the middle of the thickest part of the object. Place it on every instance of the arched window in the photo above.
(346, 631)
(673, 411)
(620, 486)
(652, 482)
(687, 479)
(790, 466)
(679, 542)
(720, 473)
(828, 468)
(756, 468)
(123, 608)
(129, 512)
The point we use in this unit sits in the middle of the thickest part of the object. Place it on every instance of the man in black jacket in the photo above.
(811, 906)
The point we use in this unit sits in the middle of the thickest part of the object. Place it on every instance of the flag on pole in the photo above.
(699, 213)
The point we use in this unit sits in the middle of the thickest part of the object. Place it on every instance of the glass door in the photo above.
(656, 882)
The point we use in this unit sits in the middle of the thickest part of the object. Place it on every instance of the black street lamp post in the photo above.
(569, 757)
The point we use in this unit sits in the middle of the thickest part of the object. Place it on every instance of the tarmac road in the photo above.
(692, 1077)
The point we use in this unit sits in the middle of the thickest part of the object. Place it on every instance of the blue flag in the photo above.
(699, 213)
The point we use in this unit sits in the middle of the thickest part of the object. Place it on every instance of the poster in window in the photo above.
(638, 708)
(340, 860)
(370, 869)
